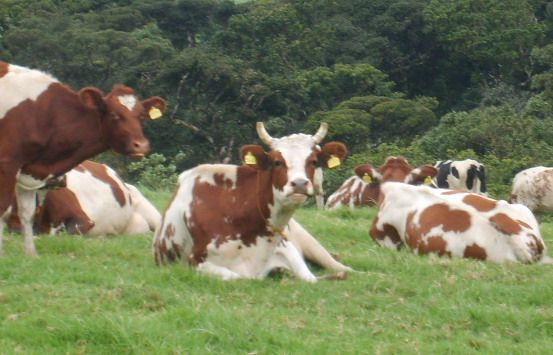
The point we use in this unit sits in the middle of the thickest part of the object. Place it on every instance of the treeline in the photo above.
(427, 79)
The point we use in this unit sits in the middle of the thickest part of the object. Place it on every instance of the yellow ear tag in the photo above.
(428, 180)
(333, 162)
(155, 113)
(250, 159)
(367, 178)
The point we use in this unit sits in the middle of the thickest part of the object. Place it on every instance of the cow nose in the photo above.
(300, 186)
(139, 147)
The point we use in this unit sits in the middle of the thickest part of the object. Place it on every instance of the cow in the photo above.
(229, 221)
(456, 223)
(533, 188)
(467, 175)
(46, 129)
(362, 189)
(96, 201)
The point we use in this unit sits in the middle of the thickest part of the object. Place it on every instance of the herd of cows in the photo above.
(235, 221)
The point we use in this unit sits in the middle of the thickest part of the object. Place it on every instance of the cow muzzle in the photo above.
(138, 149)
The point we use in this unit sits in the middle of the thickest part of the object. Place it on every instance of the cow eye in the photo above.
(315, 163)
(278, 163)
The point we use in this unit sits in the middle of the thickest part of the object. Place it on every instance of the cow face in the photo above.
(292, 162)
(122, 117)
(396, 169)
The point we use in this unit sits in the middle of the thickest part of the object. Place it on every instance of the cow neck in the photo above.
(272, 228)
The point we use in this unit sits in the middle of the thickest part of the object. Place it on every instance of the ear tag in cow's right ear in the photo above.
(367, 178)
(250, 159)
(154, 113)
(428, 180)
(333, 162)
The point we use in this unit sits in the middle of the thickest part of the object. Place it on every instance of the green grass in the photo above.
(105, 295)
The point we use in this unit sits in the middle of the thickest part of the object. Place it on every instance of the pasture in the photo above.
(105, 295)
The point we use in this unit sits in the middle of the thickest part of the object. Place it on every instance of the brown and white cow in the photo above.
(363, 188)
(456, 224)
(533, 188)
(46, 129)
(467, 175)
(96, 201)
(229, 221)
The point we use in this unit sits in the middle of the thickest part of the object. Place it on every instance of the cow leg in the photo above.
(311, 249)
(26, 204)
(288, 257)
(216, 270)
(7, 187)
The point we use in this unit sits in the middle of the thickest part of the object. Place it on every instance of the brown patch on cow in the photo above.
(100, 172)
(480, 203)
(524, 224)
(3, 68)
(440, 214)
(223, 210)
(414, 238)
(395, 169)
(62, 207)
(279, 171)
(536, 246)
(388, 232)
(505, 224)
(170, 231)
(474, 251)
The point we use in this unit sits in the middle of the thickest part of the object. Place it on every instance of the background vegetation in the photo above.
(428, 79)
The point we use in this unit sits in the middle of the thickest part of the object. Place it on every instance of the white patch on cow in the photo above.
(28, 182)
(402, 200)
(207, 172)
(533, 188)
(21, 84)
(129, 101)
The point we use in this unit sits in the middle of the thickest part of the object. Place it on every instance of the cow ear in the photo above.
(423, 174)
(92, 98)
(254, 156)
(367, 173)
(155, 106)
(332, 154)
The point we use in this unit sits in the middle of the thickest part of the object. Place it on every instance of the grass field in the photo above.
(106, 296)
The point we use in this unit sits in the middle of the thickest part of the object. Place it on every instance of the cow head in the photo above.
(292, 161)
(396, 169)
(122, 117)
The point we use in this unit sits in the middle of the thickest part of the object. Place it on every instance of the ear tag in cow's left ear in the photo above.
(333, 162)
(154, 113)
(367, 178)
(428, 180)
(250, 159)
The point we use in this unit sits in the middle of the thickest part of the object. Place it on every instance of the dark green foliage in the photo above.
(431, 79)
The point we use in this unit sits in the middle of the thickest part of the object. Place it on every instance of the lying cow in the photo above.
(96, 201)
(456, 224)
(229, 221)
(46, 129)
(363, 188)
(533, 188)
(466, 175)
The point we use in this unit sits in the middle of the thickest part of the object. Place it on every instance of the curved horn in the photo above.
(321, 133)
(262, 133)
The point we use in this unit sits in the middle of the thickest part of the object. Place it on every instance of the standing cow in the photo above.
(456, 224)
(46, 129)
(363, 188)
(533, 188)
(466, 175)
(96, 201)
(229, 221)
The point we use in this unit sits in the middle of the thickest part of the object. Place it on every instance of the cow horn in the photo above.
(321, 133)
(262, 132)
